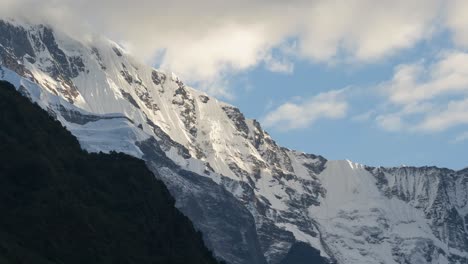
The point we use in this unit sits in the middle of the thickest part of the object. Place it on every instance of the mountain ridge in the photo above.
(282, 190)
(61, 204)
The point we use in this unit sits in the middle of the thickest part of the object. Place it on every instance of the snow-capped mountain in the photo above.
(252, 199)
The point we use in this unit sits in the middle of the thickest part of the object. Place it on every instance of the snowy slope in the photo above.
(350, 212)
(367, 225)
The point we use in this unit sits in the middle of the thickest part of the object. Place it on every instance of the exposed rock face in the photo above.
(20, 47)
(228, 227)
(62, 204)
(186, 103)
(441, 194)
(227, 174)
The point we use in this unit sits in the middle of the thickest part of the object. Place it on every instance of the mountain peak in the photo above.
(216, 158)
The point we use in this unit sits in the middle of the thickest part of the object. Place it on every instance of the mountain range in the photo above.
(253, 200)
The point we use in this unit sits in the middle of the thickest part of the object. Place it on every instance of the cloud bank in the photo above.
(203, 41)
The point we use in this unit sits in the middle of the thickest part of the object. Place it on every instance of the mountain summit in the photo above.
(253, 200)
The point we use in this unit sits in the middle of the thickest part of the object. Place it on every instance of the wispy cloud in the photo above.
(455, 113)
(289, 116)
(414, 83)
(279, 65)
(428, 97)
(363, 117)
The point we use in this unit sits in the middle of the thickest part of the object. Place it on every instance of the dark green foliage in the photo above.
(60, 204)
(302, 253)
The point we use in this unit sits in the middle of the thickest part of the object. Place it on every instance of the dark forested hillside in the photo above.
(302, 253)
(60, 204)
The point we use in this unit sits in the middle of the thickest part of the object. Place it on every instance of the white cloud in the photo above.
(288, 116)
(457, 21)
(390, 122)
(278, 65)
(455, 114)
(203, 41)
(365, 29)
(430, 97)
(419, 82)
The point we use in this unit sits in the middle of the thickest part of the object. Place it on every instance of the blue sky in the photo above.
(258, 91)
(377, 82)
(345, 138)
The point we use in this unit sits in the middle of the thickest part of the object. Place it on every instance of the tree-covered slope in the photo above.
(60, 204)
